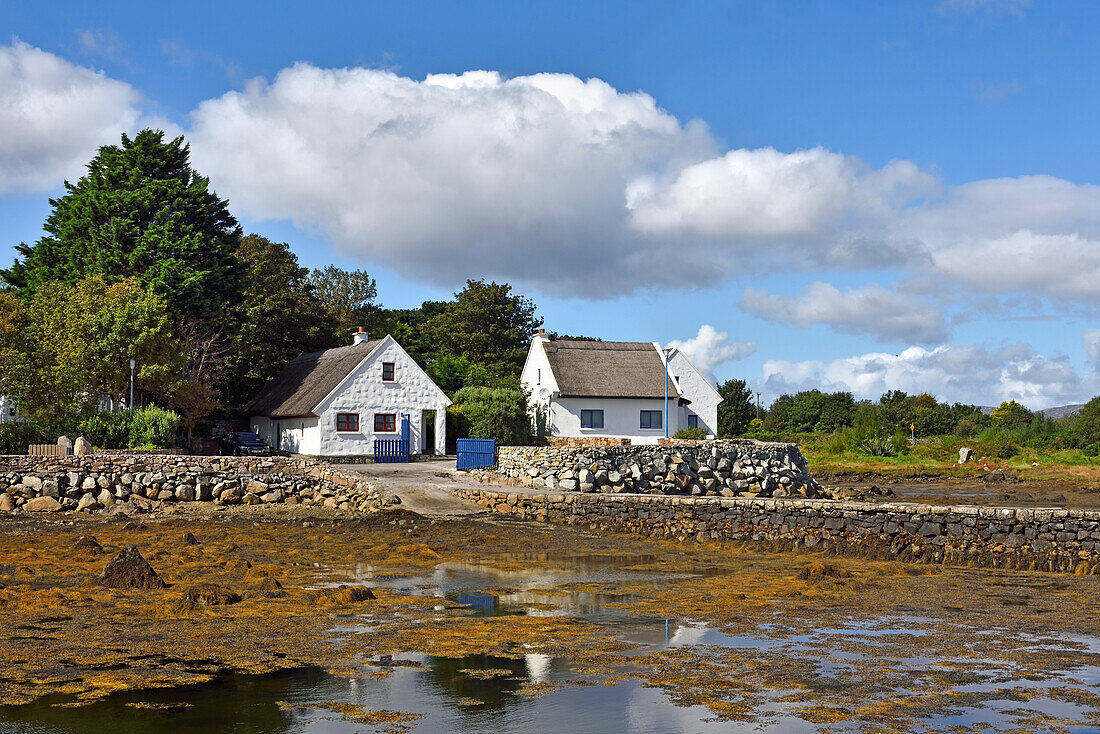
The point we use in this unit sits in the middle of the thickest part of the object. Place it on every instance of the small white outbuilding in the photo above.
(336, 402)
(616, 390)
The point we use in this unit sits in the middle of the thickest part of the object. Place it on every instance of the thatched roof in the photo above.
(586, 369)
(305, 382)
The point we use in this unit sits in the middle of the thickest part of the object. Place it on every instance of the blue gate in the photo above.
(393, 450)
(474, 453)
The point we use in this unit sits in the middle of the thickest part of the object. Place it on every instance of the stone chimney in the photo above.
(360, 336)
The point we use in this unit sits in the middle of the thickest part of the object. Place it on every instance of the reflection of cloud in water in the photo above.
(538, 666)
(687, 635)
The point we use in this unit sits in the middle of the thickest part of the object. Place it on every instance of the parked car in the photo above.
(244, 444)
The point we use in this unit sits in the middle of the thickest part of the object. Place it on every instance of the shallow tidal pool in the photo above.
(811, 659)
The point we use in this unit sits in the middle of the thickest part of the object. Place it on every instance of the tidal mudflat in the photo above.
(495, 624)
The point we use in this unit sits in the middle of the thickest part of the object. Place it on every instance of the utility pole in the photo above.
(133, 363)
(757, 405)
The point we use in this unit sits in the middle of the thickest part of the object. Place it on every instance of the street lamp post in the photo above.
(664, 415)
(133, 364)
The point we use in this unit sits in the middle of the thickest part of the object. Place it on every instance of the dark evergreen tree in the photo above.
(279, 318)
(141, 211)
(736, 409)
(486, 324)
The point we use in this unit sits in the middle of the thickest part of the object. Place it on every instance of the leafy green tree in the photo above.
(348, 295)
(488, 325)
(13, 317)
(736, 409)
(78, 341)
(279, 318)
(498, 413)
(449, 372)
(1010, 415)
(1087, 424)
(141, 211)
(838, 410)
(408, 326)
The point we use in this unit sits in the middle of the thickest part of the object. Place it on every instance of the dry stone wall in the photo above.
(995, 537)
(730, 468)
(134, 482)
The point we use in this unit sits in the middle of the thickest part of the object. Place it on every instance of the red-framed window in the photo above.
(385, 422)
(387, 372)
(347, 422)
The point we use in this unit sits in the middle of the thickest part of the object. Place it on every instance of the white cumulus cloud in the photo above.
(1091, 339)
(711, 348)
(454, 175)
(872, 309)
(951, 372)
(53, 117)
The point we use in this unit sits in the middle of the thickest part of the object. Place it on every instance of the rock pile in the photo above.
(733, 468)
(129, 485)
(130, 570)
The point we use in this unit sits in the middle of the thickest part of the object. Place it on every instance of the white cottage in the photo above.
(616, 389)
(336, 402)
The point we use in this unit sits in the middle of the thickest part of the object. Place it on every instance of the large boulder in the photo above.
(965, 455)
(130, 570)
(83, 447)
(7, 502)
(87, 502)
(42, 504)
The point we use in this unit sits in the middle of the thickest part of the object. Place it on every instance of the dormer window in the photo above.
(387, 371)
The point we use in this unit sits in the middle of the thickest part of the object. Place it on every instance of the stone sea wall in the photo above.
(995, 537)
(126, 482)
(729, 468)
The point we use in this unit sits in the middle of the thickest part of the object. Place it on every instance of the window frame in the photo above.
(392, 369)
(693, 421)
(592, 414)
(387, 419)
(346, 419)
(650, 413)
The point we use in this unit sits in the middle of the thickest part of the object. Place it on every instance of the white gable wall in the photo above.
(696, 388)
(537, 377)
(412, 392)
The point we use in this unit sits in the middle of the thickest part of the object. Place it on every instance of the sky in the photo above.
(857, 196)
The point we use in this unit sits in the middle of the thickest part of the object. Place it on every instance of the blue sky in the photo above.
(857, 195)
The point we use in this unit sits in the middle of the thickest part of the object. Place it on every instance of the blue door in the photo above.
(475, 453)
(393, 450)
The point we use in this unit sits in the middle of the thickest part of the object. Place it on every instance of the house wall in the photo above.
(620, 417)
(295, 435)
(538, 379)
(364, 392)
(696, 388)
(7, 409)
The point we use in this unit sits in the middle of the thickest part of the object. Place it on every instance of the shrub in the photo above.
(154, 427)
(692, 433)
(966, 428)
(107, 430)
(1093, 449)
(497, 413)
(999, 443)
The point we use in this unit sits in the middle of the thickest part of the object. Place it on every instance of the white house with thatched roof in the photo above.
(336, 402)
(616, 390)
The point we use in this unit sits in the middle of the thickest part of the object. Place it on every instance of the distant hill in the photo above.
(1062, 411)
(1059, 412)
